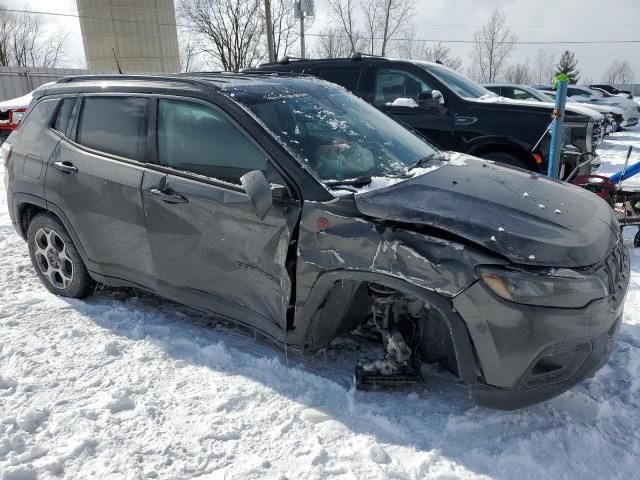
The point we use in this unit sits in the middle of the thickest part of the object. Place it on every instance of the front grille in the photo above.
(611, 273)
(598, 133)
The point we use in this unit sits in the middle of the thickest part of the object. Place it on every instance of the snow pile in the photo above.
(403, 102)
(126, 385)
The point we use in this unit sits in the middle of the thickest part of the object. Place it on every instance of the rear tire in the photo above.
(56, 259)
(636, 239)
(506, 159)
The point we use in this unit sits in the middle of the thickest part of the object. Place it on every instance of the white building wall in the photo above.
(142, 33)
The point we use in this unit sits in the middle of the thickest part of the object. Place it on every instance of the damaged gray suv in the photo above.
(297, 209)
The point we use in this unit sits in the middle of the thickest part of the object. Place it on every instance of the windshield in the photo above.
(460, 84)
(336, 134)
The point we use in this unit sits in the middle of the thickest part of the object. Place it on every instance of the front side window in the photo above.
(114, 125)
(458, 83)
(198, 139)
(334, 133)
(576, 92)
(396, 87)
(520, 94)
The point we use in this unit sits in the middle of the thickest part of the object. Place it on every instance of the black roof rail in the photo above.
(269, 73)
(358, 55)
(166, 78)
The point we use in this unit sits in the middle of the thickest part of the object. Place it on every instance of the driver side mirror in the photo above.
(259, 192)
(430, 99)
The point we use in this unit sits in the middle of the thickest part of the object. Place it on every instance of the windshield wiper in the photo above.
(422, 161)
(350, 182)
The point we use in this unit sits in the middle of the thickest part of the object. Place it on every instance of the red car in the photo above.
(9, 120)
(12, 112)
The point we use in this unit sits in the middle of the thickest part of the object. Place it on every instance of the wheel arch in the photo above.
(314, 331)
(498, 144)
(28, 206)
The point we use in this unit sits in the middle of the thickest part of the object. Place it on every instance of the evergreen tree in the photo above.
(567, 65)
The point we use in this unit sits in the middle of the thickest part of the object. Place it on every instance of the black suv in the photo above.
(291, 206)
(452, 111)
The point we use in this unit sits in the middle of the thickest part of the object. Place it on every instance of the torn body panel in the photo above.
(370, 251)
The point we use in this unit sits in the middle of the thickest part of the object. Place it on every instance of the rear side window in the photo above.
(114, 125)
(347, 77)
(64, 115)
(198, 139)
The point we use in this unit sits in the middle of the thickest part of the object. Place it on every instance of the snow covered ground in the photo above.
(125, 385)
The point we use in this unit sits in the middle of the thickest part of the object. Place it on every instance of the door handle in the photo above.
(66, 167)
(168, 196)
(462, 120)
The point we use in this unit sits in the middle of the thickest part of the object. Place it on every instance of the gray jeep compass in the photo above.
(295, 208)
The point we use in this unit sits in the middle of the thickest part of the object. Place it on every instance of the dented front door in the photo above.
(211, 250)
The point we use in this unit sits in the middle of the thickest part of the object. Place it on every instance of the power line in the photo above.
(517, 42)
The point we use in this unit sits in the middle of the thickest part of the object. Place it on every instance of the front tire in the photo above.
(56, 259)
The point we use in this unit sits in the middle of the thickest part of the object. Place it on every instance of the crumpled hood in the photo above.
(528, 218)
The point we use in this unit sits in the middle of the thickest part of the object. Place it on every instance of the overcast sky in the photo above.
(539, 20)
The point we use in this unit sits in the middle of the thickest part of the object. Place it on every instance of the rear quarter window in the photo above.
(348, 77)
(37, 120)
(115, 125)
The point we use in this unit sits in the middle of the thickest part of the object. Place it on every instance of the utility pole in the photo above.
(557, 136)
(267, 20)
(301, 34)
(302, 8)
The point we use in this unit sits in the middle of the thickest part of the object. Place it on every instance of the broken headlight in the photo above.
(562, 288)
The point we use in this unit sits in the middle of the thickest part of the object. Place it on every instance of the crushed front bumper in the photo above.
(554, 371)
(528, 354)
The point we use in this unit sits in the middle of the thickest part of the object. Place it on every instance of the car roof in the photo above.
(194, 82)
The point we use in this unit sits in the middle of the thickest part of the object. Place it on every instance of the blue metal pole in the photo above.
(557, 133)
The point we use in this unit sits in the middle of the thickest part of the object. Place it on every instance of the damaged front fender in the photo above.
(337, 243)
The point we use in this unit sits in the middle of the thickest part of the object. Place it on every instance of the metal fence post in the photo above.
(557, 130)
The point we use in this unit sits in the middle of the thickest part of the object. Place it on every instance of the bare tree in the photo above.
(286, 28)
(395, 20)
(372, 13)
(332, 43)
(25, 41)
(344, 12)
(230, 31)
(543, 66)
(492, 45)
(53, 49)
(519, 73)
(619, 72)
(440, 53)
(190, 52)
(7, 23)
